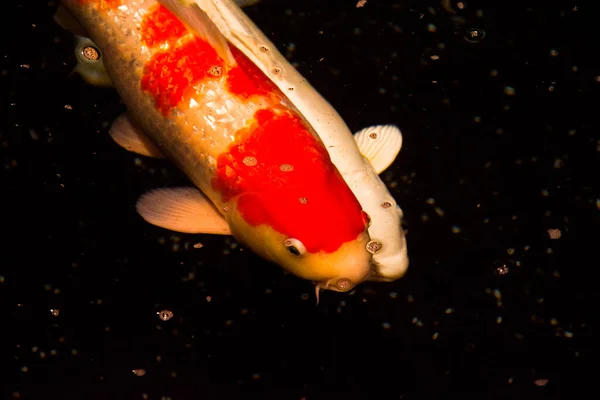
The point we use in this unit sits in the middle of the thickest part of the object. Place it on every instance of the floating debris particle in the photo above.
(541, 382)
(361, 3)
(165, 315)
(386, 325)
(54, 312)
(139, 372)
(502, 269)
(554, 233)
(198, 245)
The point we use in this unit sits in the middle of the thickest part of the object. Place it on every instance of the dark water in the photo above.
(498, 179)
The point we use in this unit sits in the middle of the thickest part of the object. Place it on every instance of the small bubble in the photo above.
(456, 229)
(215, 70)
(165, 315)
(474, 35)
(431, 28)
(250, 161)
(90, 53)
(374, 246)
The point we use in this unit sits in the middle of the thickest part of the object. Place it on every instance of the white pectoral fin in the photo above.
(188, 12)
(130, 137)
(380, 144)
(183, 209)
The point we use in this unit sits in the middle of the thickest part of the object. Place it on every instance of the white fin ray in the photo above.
(183, 209)
(380, 144)
(127, 135)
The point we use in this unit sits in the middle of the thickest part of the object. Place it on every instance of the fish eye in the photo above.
(366, 219)
(295, 247)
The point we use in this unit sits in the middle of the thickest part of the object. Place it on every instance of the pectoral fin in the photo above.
(183, 209)
(129, 136)
(197, 21)
(380, 144)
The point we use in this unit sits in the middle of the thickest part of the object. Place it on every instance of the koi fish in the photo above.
(261, 172)
(204, 86)
(359, 158)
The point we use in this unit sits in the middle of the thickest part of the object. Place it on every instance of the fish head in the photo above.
(315, 238)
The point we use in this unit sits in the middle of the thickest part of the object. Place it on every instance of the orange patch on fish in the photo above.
(161, 26)
(169, 75)
(290, 183)
(246, 79)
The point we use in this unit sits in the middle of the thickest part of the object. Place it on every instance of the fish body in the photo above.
(206, 106)
(360, 158)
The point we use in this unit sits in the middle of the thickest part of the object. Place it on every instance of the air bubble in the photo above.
(474, 35)
(250, 161)
(374, 246)
(165, 315)
(90, 53)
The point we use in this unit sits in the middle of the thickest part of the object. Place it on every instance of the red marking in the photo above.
(246, 79)
(170, 74)
(268, 195)
(160, 26)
